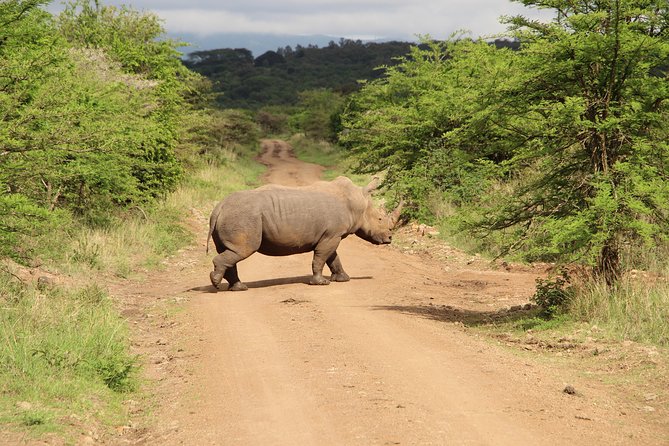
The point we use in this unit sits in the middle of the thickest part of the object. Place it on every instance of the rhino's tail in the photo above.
(212, 223)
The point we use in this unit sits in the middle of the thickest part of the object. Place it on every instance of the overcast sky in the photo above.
(354, 19)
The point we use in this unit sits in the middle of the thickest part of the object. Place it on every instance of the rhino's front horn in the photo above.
(395, 215)
(372, 185)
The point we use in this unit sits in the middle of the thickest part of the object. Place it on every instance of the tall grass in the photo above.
(63, 354)
(313, 151)
(143, 238)
(211, 182)
(635, 309)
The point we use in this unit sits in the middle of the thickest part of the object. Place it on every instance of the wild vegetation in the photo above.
(550, 148)
(277, 77)
(99, 122)
(557, 151)
(550, 145)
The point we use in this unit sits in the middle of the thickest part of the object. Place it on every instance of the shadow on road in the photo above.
(270, 283)
(465, 316)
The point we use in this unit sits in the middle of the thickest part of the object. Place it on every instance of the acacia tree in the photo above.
(566, 138)
(590, 175)
(427, 121)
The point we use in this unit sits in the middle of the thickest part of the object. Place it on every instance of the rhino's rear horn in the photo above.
(372, 185)
(395, 215)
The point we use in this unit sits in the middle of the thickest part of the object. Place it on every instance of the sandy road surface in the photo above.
(379, 360)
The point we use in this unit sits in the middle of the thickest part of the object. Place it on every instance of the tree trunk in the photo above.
(608, 263)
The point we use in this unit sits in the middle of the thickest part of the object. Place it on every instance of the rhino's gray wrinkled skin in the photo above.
(278, 221)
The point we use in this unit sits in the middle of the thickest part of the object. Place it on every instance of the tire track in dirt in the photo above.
(374, 361)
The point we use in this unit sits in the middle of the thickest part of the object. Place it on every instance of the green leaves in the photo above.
(572, 130)
(428, 121)
(90, 108)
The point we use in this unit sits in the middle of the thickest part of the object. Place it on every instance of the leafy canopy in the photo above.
(90, 109)
(559, 149)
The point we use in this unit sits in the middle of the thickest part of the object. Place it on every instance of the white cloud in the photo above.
(353, 19)
(347, 18)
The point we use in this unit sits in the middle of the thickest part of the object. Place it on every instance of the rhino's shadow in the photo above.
(271, 282)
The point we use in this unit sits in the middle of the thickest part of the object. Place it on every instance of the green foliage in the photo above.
(22, 220)
(318, 111)
(553, 295)
(592, 142)
(132, 38)
(558, 150)
(91, 110)
(273, 120)
(217, 136)
(424, 123)
(277, 77)
(61, 351)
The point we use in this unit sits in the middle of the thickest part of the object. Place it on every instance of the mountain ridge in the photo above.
(260, 43)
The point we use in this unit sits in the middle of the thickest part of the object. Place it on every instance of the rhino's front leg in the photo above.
(324, 250)
(338, 273)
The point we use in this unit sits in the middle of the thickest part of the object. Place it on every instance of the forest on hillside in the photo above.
(277, 77)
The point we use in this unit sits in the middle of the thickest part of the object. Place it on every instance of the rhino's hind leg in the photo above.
(225, 266)
(338, 273)
(233, 279)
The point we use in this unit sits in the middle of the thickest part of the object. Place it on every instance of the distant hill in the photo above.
(276, 76)
(257, 43)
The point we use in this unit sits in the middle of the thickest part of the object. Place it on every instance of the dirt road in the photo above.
(380, 360)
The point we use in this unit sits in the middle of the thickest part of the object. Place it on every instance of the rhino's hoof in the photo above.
(239, 286)
(216, 279)
(340, 277)
(319, 281)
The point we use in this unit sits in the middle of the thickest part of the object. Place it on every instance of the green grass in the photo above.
(64, 354)
(637, 309)
(210, 183)
(327, 155)
(536, 323)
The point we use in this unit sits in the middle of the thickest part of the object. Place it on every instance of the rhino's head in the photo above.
(376, 225)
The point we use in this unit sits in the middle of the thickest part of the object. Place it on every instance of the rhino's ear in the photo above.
(372, 185)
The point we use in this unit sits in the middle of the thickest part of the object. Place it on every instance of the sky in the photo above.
(352, 19)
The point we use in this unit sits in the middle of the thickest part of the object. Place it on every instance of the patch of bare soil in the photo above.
(386, 358)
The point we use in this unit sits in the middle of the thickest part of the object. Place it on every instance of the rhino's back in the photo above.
(290, 220)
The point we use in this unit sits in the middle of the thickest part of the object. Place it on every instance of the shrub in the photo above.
(554, 294)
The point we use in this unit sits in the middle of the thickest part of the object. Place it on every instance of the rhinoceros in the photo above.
(278, 221)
